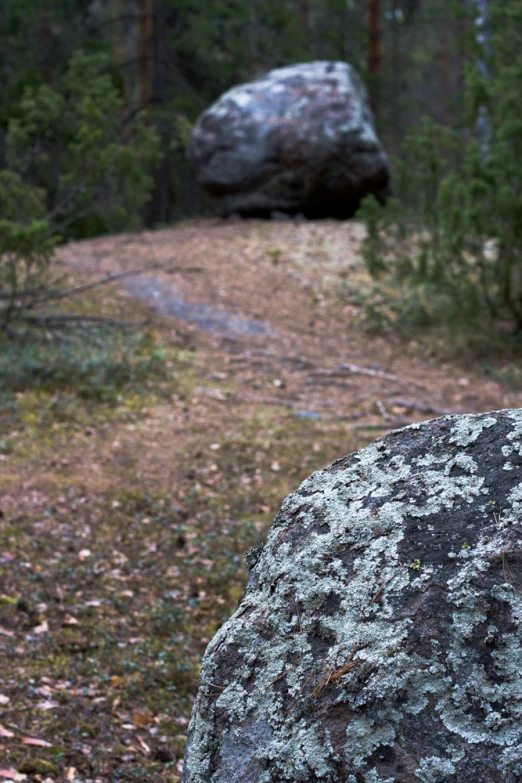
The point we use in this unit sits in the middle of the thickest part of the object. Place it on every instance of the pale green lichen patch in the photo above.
(380, 636)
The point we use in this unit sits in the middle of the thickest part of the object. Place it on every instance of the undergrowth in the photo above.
(87, 374)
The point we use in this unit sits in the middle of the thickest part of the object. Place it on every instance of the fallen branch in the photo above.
(390, 425)
(382, 410)
(55, 295)
(66, 321)
(411, 405)
(354, 369)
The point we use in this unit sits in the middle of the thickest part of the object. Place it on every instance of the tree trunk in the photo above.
(395, 77)
(374, 49)
(462, 39)
(145, 51)
(46, 44)
(120, 47)
(374, 39)
(445, 70)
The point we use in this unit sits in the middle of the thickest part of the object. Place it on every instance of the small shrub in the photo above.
(74, 166)
(456, 258)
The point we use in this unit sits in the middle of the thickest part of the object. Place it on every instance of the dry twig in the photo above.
(354, 369)
(412, 405)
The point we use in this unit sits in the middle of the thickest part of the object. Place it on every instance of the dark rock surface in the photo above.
(300, 140)
(380, 636)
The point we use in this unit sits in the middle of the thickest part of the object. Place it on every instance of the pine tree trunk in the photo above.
(145, 51)
(395, 77)
(374, 48)
(46, 44)
(120, 47)
(445, 70)
(374, 40)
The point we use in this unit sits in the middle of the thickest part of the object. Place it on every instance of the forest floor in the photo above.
(134, 480)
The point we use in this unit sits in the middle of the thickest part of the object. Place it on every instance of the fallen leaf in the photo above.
(5, 632)
(47, 705)
(71, 773)
(116, 681)
(12, 774)
(37, 742)
(142, 717)
(44, 690)
(42, 628)
(5, 732)
(145, 747)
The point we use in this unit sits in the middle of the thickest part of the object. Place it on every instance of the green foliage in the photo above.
(26, 248)
(74, 141)
(95, 369)
(74, 166)
(456, 258)
(77, 379)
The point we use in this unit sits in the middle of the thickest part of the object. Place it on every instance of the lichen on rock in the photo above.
(379, 639)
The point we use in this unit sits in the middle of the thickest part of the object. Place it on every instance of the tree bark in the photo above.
(374, 49)
(374, 39)
(146, 51)
(445, 69)
(395, 77)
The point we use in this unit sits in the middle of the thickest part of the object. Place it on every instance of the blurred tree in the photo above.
(177, 56)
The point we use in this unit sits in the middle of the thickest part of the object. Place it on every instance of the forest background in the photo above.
(138, 465)
(172, 58)
(99, 99)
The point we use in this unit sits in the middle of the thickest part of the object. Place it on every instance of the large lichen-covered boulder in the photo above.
(298, 140)
(379, 639)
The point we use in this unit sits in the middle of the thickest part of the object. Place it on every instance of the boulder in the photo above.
(379, 639)
(299, 140)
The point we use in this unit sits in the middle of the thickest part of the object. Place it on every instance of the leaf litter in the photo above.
(127, 507)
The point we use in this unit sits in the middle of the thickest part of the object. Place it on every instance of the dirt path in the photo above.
(125, 512)
(263, 304)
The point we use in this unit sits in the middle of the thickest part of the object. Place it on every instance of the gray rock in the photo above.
(379, 639)
(298, 140)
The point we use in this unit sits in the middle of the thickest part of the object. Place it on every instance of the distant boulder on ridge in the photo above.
(299, 140)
